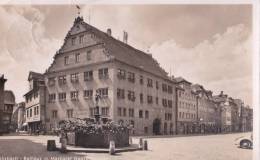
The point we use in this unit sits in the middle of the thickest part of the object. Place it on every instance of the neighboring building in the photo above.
(9, 102)
(14, 118)
(223, 102)
(186, 101)
(235, 115)
(208, 116)
(35, 102)
(2, 84)
(133, 88)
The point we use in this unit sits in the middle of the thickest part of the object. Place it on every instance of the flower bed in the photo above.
(89, 134)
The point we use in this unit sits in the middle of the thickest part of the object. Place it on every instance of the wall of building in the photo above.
(155, 110)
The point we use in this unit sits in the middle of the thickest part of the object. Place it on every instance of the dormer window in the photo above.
(73, 41)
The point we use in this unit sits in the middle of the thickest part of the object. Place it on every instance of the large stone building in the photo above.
(186, 101)
(132, 87)
(35, 110)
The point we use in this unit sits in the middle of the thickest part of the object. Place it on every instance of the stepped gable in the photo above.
(123, 52)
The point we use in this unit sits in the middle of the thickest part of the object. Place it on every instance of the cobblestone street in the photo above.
(210, 147)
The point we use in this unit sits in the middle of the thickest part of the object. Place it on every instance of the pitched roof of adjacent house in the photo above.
(125, 53)
(35, 75)
(181, 79)
(9, 97)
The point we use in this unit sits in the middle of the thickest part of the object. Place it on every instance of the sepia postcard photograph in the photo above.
(129, 80)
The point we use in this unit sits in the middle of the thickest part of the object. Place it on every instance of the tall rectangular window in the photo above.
(30, 112)
(140, 113)
(37, 110)
(141, 98)
(170, 89)
(131, 95)
(62, 79)
(141, 80)
(74, 95)
(120, 93)
(103, 73)
(88, 76)
(62, 96)
(105, 111)
(74, 78)
(54, 114)
(149, 99)
(121, 74)
(103, 92)
(81, 39)
(69, 113)
(149, 82)
(77, 57)
(66, 60)
(131, 112)
(88, 94)
(73, 40)
(52, 97)
(131, 77)
(89, 55)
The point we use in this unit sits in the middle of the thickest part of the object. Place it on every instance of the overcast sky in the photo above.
(209, 45)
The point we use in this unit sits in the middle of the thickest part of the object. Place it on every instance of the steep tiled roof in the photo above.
(125, 53)
(9, 97)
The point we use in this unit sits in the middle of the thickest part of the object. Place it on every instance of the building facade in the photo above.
(186, 101)
(208, 116)
(21, 116)
(132, 87)
(35, 111)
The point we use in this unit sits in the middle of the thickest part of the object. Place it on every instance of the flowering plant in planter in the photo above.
(89, 133)
(88, 127)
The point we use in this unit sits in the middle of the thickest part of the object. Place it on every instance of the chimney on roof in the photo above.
(109, 32)
(125, 37)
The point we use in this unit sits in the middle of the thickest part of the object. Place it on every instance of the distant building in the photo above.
(208, 112)
(249, 118)
(19, 116)
(225, 108)
(186, 101)
(9, 102)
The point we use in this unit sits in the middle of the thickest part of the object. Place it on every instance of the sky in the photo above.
(206, 44)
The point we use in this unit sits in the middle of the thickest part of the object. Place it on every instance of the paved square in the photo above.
(210, 147)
